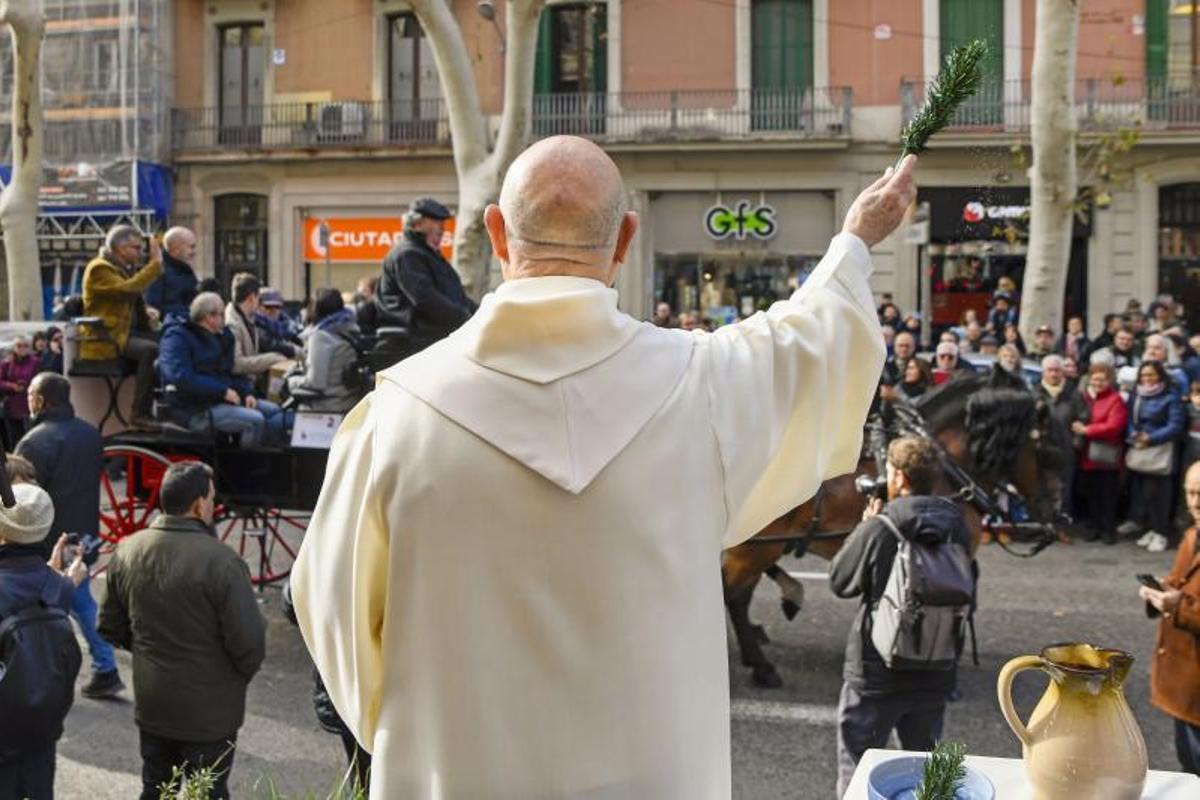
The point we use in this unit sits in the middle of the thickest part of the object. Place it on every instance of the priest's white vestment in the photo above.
(511, 582)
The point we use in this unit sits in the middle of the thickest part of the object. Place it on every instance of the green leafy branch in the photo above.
(945, 770)
(959, 78)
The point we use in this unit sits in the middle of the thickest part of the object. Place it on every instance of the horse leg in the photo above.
(792, 590)
(763, 674)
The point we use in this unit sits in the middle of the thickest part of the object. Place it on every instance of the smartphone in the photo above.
(71, 550)
(1150, 581)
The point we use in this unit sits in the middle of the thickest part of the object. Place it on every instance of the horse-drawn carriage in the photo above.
(264, 495)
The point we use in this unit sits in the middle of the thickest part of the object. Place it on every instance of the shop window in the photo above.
(241, 234)
(413, 89)
(963, 21)
(242, 66)
(571, 70)
(720, 288)
(781, 70)
(1179, 246)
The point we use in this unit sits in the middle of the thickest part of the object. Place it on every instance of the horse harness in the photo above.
(966, 489)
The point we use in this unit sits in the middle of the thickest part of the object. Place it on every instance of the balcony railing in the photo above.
(696, 115)
(822, 113)
(311, 125)
(1101, 104)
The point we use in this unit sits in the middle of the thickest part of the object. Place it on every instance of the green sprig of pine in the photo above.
(958, 79)
(945, 770)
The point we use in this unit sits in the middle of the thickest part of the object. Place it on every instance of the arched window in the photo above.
(241, 237)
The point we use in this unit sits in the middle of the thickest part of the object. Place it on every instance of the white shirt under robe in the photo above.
(511, 583)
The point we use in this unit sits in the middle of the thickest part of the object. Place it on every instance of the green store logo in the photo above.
(722, 222)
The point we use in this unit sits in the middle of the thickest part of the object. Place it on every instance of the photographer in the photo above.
(910, 694)
(41, 656)
(1175, 672)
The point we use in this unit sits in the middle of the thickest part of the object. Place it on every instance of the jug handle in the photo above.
(1004, 691)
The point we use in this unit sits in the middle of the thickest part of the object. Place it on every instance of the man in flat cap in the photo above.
(419, 289)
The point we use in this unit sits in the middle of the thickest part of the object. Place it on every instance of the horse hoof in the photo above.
(760, 633)
(766, 678)
(790, 609)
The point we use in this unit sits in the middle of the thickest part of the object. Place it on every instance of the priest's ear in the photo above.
(625, 234)
(493, 220)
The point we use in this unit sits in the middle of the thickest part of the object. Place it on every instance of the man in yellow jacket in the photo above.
(112, 291)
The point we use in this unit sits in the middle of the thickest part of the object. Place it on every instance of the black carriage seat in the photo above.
(113, 371)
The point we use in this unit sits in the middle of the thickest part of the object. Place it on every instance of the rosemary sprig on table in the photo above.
(945, 770)
(959, 78)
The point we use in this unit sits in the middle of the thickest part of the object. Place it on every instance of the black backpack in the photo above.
(39, 661)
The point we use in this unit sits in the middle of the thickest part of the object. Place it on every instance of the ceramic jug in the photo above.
(1082, 739)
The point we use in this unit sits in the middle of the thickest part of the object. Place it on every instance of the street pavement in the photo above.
(783, 740)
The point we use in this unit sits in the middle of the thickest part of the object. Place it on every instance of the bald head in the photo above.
(562, 211)
(181, 244)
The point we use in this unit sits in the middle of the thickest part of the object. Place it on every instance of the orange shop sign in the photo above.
(361, 239)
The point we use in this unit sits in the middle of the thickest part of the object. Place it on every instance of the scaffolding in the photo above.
(106, 83)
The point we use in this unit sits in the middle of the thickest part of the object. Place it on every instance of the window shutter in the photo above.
(1156, 38)
(543, 74)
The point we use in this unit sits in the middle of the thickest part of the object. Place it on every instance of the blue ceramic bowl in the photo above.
(898, 779)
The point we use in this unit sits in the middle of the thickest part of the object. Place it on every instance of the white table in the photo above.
(1008, 776)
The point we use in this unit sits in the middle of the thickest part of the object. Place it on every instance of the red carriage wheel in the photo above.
(129, 486)
(268, 539)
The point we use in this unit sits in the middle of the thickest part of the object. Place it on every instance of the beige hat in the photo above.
(30, 519)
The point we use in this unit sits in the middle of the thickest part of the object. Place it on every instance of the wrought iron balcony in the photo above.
(305, 126)
(1161, 103)
(633, 117)
(681, 116)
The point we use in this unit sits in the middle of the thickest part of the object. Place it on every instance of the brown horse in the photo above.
(993, 436)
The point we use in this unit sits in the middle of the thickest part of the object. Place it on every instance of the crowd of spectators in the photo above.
(1127, 400)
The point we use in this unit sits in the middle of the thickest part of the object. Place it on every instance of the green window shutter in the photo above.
(1156, 38)
(543, 60)
(782, 35)
(962, 21)
(600, 48)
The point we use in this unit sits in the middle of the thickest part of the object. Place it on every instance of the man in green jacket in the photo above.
(182, 603)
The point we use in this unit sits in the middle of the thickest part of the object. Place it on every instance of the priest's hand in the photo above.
(880, 208)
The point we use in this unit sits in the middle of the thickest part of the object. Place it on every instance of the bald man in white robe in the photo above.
(511, 583)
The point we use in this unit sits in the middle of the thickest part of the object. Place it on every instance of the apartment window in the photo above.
(242, 64)
(571, 70)
(572, 51)
(104, 66)
(413, 90)
(241, 234)
(781, 67)
(963, 21)
(1172, 43)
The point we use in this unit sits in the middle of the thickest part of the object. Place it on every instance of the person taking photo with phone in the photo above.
(1175, 671)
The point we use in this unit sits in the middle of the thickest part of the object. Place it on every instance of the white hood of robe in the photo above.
(533, 374)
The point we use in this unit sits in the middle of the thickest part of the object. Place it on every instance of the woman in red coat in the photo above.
(16, 372)
(1102, 433)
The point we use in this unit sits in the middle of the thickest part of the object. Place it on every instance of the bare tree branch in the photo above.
(468, 125)
(1053, 178)
(19, 201)
(522, 18)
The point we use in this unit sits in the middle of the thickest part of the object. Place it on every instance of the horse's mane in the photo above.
(996, 410)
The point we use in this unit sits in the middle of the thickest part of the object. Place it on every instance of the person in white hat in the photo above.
(39, 671)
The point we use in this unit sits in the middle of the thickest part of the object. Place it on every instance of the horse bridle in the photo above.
(995, 513)
(996, 517)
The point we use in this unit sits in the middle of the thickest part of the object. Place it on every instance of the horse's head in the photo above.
(1002, 437)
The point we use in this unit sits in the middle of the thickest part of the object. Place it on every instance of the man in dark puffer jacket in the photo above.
(876, 699)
